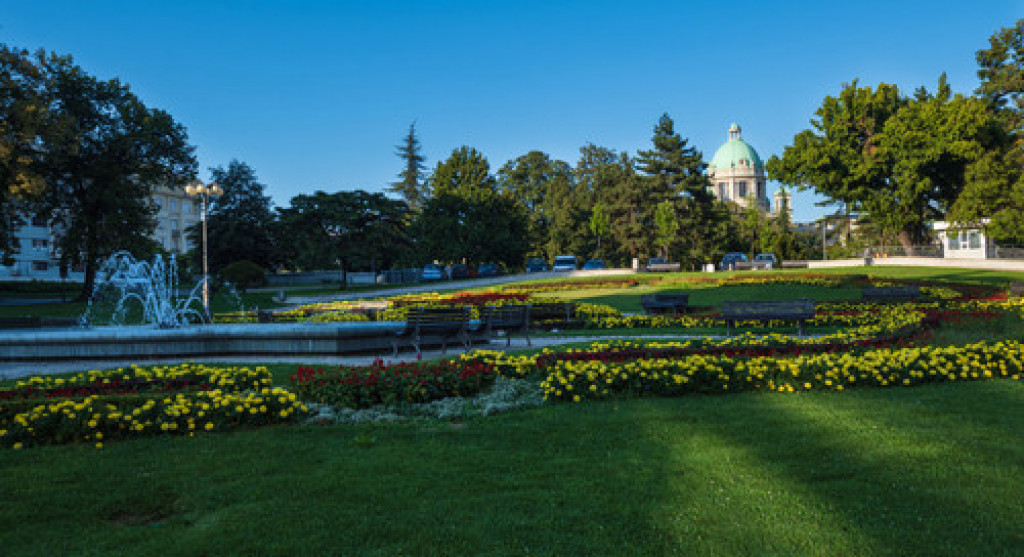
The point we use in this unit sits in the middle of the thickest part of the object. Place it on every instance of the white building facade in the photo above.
(38, 258)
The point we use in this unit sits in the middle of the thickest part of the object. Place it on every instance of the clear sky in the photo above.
(317, 94)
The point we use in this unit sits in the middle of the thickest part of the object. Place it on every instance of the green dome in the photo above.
(728, 156)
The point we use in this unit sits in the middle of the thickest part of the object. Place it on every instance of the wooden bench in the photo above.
(767, 310)
(889, 293)
(552, 314)
(442, 323)
(663, 267)
(510, 319)
(664, 303)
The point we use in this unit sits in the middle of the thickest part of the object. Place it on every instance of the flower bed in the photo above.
(604, 369)
(366, 386)
(101, 406)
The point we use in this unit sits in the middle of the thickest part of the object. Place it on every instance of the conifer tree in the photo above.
(412, 184)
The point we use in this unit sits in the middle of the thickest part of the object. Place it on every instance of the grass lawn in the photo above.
(933, 470)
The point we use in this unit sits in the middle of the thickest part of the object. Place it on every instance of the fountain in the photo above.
(170, 325)
(122, 280)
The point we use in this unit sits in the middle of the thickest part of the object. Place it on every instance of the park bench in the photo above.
(890, 293)
(663, 267)
(444, 324)
(552, 314)
(664, 303)
(510, 319)
(798, 310)
(1017, 289)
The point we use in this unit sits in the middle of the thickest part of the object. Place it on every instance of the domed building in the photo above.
(737, 172)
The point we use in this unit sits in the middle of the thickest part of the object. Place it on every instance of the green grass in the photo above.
(933, 470)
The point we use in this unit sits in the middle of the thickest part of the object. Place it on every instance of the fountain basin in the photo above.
(130, 343)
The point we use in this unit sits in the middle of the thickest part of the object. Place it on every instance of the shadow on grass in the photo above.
(563, 480)
(905, 471)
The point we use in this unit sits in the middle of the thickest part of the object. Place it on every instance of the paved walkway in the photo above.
(13, 370)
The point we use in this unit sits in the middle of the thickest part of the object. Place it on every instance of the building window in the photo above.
(974, 240)
(953, 240)
(174, 205)
(741, 189)
(195, 207)
(722, 190)
(40, 265)
(38, 243)
(159, 203)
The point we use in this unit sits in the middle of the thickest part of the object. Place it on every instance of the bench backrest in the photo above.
(870, 292)
(506, 316)
(437, 319)
(768, 309)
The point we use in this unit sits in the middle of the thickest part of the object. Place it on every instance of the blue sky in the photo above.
(316, 95)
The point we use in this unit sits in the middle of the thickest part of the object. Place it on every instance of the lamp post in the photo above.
(203, 192)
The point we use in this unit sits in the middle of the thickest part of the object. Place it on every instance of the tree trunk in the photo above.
(90, 282)
(906, 241)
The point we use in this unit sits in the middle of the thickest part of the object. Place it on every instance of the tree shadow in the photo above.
(891, 480)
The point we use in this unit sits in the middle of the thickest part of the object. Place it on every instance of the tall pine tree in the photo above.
(412, 184)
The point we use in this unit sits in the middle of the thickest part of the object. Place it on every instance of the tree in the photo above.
(467, 217)
(348, 229)
(466, 174)
(675, 171)
(994, 188)
(666, 226)
(238, 222)
(930, 144)
(22, 109)
(412, 184)
(839, 156)
(600, 226)
(530, 180)
(100, 154)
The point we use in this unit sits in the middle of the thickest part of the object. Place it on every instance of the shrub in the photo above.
(244, 275)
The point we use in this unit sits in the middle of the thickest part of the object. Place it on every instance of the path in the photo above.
(13, 370)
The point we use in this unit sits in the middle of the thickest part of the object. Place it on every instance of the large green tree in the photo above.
(239, 221)
(350, 230)
(100, 154)
(467, 217)
(531, 180)
(994, 188)
(412, 184)
(673, 171)
(22, 112)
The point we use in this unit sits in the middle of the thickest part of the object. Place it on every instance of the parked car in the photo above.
(564, 263)
(536, 266)
(594, 264)
(460, 271)
(489, 270)
(730, 259)
(766, 259)
(433, 271)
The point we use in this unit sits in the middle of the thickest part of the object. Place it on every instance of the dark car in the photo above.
(536, 266)
(460, 271)
(730, 259)
(489, 270)
(594, 264)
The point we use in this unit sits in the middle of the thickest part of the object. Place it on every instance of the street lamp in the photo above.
(203, 192)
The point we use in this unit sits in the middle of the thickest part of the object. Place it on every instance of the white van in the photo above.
(564, 263)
